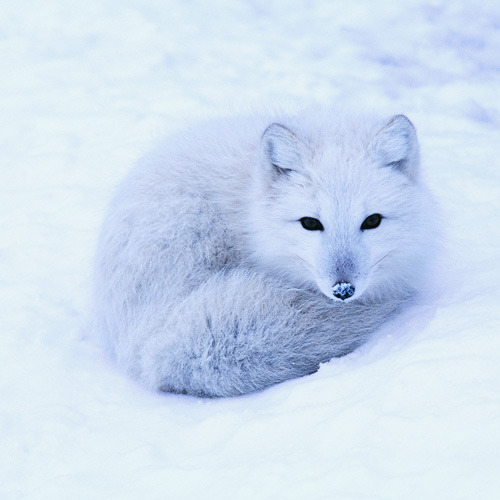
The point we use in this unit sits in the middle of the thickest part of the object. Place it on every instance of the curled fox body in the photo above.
(247, 251)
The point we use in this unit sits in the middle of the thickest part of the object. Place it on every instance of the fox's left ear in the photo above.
(397, 145)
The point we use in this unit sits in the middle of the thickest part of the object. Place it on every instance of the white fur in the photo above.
(206, 281)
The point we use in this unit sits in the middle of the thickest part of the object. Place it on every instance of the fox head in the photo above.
(343, 209)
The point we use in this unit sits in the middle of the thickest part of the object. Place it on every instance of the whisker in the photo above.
(381, 259)
(304, 261)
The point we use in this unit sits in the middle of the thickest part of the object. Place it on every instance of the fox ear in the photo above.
(397, 146)
(281, 150)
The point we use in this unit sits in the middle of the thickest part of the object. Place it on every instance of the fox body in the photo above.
(245, 252)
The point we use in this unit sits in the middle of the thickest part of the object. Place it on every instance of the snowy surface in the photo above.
(84, 89)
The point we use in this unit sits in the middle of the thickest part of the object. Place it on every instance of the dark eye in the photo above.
(371, 222)
(311, 224)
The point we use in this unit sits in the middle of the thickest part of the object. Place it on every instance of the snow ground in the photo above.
(84, 88)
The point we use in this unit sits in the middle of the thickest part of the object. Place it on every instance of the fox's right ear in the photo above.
(281, 150)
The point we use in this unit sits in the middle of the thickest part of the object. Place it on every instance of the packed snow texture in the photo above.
(85, 88)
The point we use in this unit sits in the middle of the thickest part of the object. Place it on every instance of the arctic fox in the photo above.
(245, 252)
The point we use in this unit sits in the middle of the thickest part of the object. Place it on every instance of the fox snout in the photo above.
(345, 278)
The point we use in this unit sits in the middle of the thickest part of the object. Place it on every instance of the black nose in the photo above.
(343, 290)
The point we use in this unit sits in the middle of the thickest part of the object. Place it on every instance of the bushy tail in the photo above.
(240, 332)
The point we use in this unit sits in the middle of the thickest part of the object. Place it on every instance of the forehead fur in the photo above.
(337, 138)
(337, 127)
(341, 147)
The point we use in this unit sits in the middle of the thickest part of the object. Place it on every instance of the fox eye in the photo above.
(371, 222)
(311, 224)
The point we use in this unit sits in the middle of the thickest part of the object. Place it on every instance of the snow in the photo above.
(84, 90)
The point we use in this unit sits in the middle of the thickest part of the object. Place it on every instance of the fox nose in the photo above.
(343, 290)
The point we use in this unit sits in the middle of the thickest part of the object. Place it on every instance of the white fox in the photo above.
(247, 251)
